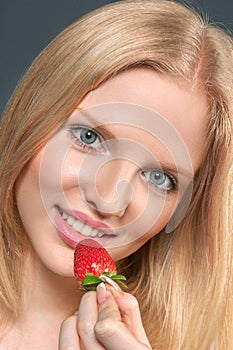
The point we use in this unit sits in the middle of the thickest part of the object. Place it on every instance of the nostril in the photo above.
(92, 205)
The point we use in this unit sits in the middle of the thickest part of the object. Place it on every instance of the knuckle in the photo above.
(132, 302)
(106, 328)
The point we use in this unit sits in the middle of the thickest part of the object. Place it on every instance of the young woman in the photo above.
(122, 124)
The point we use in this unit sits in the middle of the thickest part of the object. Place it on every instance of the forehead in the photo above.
(184, 107)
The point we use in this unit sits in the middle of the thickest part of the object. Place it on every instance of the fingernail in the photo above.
(111, 282)
(101, 293)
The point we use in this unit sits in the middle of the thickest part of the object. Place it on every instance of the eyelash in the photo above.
(174, 183)
(87, 148)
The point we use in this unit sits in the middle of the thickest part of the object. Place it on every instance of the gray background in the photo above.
(27, 26)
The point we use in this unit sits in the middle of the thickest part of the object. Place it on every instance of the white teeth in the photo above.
(94, 232)
(86, 230)
(82, 228)
(77, 225)
(70, 220)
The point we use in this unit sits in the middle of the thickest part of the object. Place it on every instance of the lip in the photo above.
(86, 219)
(72, 237)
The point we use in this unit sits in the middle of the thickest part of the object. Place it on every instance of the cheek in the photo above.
(123, 251)
(161, 219)
(153, 216)
(28, 196)
(140, 231)
(58, 172)
(27, 186)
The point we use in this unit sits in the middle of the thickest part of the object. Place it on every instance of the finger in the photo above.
(108, 307)
(114, 335)
(68, 337)
(87, 318)
(109, 329)
(130, 314)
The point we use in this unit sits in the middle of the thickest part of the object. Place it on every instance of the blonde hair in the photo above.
(183, 281)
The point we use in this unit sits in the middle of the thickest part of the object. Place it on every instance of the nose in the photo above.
(111, 191)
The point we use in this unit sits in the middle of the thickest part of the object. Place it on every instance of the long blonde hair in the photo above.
(183, 281)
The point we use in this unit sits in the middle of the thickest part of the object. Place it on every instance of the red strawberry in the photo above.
(92, 264)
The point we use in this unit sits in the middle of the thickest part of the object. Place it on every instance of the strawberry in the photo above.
(93, 265)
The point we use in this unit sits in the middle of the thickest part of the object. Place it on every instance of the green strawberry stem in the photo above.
(90, 282)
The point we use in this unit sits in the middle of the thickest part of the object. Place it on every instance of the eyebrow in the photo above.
(101, 127)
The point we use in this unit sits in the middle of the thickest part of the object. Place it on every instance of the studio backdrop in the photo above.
(27, 26)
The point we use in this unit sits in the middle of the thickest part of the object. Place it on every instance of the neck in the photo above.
(49, 292)
(48, 300)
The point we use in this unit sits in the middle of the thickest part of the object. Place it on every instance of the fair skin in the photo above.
(51, 292)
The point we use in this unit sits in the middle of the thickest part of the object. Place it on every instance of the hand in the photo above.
(107, 320)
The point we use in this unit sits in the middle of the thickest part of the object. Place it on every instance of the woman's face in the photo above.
(116, 169)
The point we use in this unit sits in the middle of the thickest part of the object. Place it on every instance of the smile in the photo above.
(81, 227)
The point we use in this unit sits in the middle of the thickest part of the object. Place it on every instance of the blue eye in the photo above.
(161, 180)
(86, 138)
